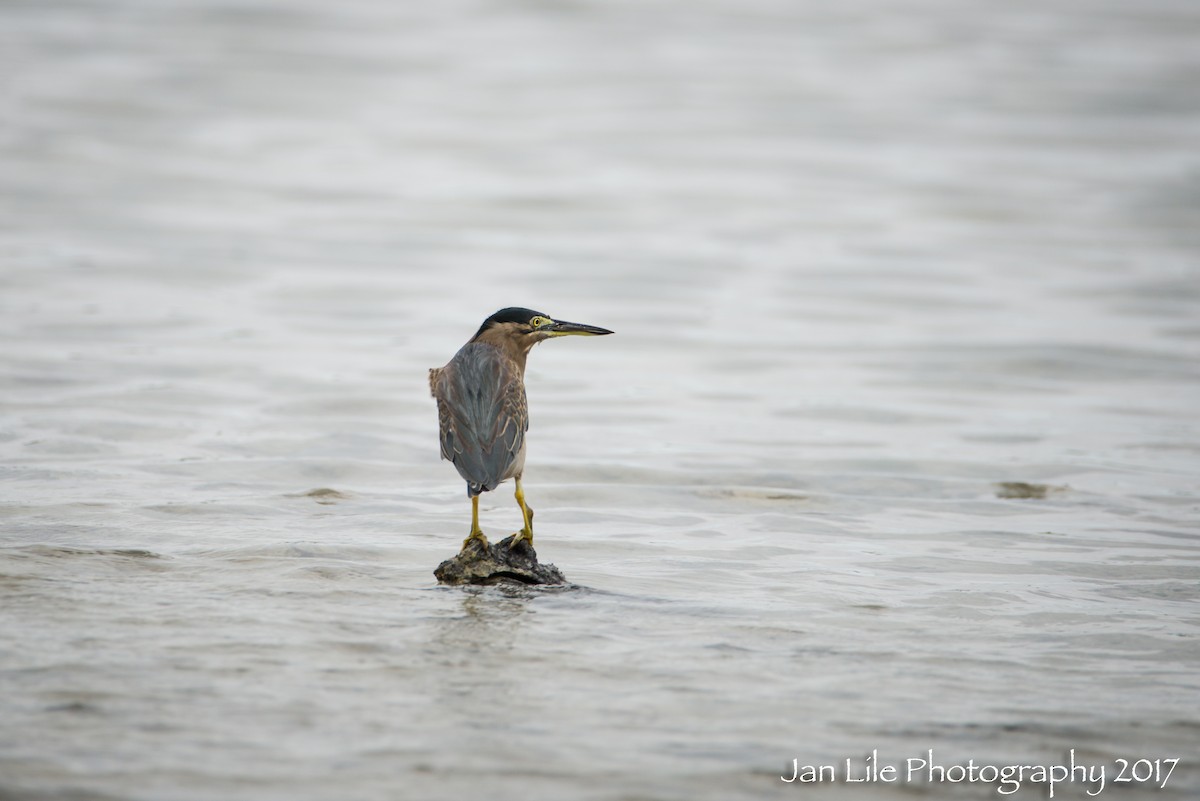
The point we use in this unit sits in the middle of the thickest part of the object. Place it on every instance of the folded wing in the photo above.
(482, 414)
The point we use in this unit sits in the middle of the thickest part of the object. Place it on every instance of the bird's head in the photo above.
(524, 328)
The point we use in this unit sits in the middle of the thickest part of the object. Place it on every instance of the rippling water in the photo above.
(896, 447)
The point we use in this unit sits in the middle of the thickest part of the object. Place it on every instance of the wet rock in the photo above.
(495, 563)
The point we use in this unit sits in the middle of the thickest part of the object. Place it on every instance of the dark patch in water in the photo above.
(323, 495)
(63, 551)
(1021, 489)
(76, 707)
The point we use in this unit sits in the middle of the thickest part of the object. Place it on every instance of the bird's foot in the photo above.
(475, 539)
(522, 539)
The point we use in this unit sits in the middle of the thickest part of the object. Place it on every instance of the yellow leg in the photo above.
(476, 531)
(526, 514)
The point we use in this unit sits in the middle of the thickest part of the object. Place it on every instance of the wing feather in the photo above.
(482, 414)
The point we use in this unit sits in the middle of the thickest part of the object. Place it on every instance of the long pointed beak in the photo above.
(562, 328)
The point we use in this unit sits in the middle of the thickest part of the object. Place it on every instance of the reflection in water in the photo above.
(483, 634)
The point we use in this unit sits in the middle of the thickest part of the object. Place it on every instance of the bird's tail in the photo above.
(474, 489)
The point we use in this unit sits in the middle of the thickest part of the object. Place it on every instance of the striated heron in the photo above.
(482, 411)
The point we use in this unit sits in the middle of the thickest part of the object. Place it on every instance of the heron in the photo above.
(482, 410)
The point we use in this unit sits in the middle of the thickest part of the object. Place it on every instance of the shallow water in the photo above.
(871, 267)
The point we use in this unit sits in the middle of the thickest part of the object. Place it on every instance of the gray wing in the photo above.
(482, 414)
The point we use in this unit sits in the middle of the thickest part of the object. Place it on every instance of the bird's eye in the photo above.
(539, 322)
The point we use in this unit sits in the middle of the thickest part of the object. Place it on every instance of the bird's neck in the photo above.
(514, 349)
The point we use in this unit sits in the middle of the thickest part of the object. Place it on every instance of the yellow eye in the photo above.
(539, 322)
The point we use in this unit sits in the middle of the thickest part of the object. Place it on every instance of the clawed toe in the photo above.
(475, 540)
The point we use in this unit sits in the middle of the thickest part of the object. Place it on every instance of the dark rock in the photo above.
(496, 563)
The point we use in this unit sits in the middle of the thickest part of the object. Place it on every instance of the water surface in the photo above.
(896, 447)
